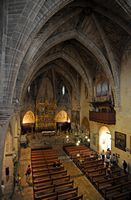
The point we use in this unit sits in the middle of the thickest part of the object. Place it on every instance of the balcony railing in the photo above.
(103, 117)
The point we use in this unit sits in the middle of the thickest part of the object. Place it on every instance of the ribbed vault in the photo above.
(85, 35)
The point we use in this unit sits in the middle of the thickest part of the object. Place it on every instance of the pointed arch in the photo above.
(61, 116)
(28, 118)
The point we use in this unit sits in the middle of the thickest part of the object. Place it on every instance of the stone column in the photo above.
(5, 114)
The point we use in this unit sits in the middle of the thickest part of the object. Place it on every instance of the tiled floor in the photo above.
(84, 186)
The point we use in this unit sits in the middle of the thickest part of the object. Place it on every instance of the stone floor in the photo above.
(84, 186)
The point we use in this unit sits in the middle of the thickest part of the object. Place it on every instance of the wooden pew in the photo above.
(49, 172)
(41, 168)
(60, 187)
(49, 182)
(42, 149)
(51, 196)
(77, 149)
(92, 162)
(48, 169)
(42, 184)
(64, 184)
(90, 172)
(39, 165)
(76, 198)
(94, 177)
(52, 174)
(53, 180)
(43, 161)
(40, 158)
(41, 193)
(48, 161)
(44, 164)
(68, 193)
(122, 196)
(44, 153)
(118, 187)
(101, 176)
(92, 168)
(107, 182)
(89, 162)
(54, 188)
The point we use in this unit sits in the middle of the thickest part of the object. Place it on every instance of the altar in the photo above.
(48, 133)
(45, 116)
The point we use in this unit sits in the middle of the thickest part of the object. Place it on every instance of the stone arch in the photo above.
(70, 60)
(61, 116)
(46, 90)
(20, 40)
(104, 139)
(21, 49)
(63, 122)
(28, 118)
(83, 40)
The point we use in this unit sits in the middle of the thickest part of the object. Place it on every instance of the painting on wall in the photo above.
(120, 140)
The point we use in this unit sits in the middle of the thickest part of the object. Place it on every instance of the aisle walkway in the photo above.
(84, 186)
(26, 192)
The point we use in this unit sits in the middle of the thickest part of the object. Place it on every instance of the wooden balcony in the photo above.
(103, 117)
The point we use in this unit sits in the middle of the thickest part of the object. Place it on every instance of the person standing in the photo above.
(109, 172)
(103, 155)
(28, 172)
(18, 180)
(18, 183)
(2, 189)
(108, 154)
(113, 159)
(125, 166)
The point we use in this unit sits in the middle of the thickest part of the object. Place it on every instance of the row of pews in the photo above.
(117, 186)
(51, 182)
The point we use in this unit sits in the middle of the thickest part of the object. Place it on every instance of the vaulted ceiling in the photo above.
(71, 37)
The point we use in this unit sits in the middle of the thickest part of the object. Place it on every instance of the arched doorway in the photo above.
(62, 121)
(104, 139)
(28, 122)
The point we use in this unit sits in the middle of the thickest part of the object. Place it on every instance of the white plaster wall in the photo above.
(123, 116)
(123, 123)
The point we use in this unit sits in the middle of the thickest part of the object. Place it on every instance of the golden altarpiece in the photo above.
(45, 116)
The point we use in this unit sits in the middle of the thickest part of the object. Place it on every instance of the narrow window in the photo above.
(104, 88)
(63, 90)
